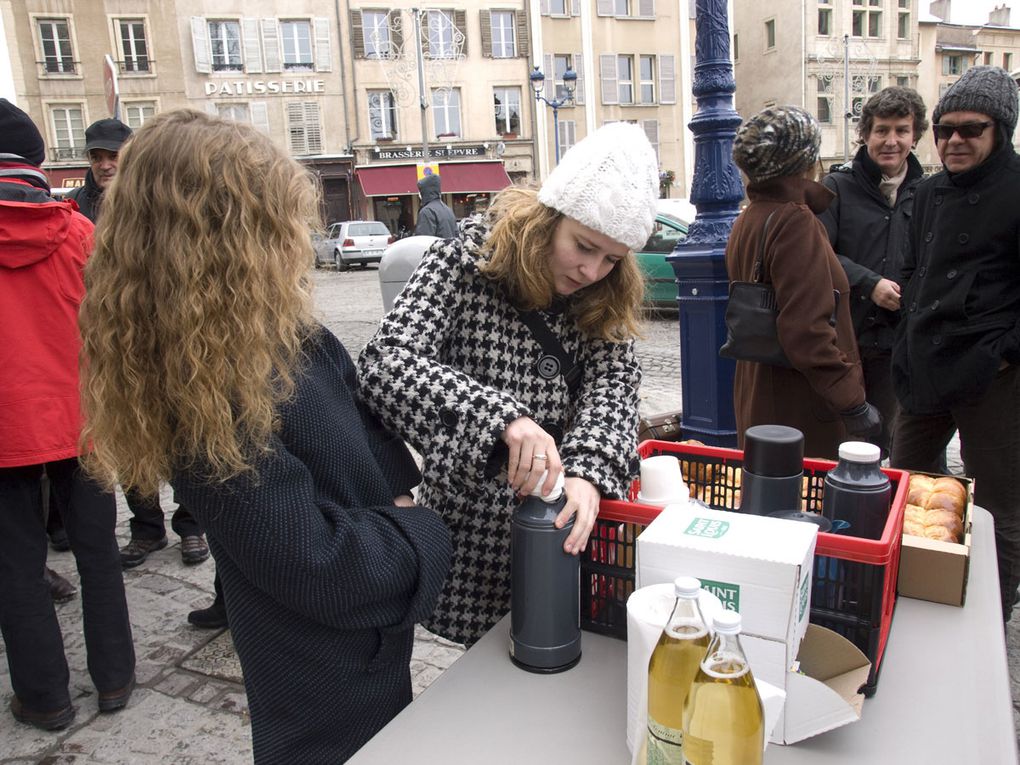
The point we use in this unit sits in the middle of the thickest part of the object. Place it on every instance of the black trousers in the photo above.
(878, 388)
(990, 447)
(147, 520)
(28, 622)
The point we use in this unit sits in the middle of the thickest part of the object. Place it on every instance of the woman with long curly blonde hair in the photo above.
(458, 371)
(202, 366)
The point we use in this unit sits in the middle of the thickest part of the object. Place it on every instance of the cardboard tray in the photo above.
(938, 571)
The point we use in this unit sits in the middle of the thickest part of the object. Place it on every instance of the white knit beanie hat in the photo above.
(609, 182)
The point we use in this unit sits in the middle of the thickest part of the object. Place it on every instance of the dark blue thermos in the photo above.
(857, 491)
(545, 608)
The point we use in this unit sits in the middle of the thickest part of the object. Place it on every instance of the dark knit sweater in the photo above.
(323, 577)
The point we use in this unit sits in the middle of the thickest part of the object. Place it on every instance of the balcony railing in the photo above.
(57, 67)
(67, 153)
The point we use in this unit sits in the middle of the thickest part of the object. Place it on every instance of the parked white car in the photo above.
(351, 242)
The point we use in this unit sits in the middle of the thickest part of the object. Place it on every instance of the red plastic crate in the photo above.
(853, 585)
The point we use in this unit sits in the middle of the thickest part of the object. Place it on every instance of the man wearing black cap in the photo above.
(956, 360)
(103, 140)
(43, 248)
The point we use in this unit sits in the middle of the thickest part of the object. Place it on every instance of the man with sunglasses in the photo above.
(867, 224)
(956, 361)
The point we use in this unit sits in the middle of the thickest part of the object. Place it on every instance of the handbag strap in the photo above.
(757, 266)
(551, 346)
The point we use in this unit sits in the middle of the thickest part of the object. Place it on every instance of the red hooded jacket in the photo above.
(43, 248)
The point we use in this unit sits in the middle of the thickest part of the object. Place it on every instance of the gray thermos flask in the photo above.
(545, 605)
(773, 468)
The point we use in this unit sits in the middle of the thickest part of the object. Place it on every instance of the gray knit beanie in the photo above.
(984, 89)
(776, 142)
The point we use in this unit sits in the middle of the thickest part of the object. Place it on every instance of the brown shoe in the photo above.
(57, 720)
(136, 551)
(194, 549)
(118, 699)
(61, 590)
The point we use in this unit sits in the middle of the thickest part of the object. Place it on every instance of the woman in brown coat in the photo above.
(822, 395)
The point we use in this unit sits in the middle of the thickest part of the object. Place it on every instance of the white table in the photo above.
(943, 697)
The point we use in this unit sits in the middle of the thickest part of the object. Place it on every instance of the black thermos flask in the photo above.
(773, 468)
(545, 607)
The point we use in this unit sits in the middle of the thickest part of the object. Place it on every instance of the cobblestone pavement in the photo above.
(190, 705)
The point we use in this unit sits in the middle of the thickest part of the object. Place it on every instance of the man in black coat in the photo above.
(434, 217)
(867, 225)
(956, 361)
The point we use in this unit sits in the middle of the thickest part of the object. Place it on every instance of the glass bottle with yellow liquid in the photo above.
(724, 723)
(671, 669)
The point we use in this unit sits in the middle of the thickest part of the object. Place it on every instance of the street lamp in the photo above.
(569, 83)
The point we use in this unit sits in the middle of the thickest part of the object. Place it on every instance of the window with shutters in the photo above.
(382, 115)
(446, 112)
(625, 79)
(626, 9)
(225, 46)
(621, 7)
(646, 71)
(134, 47)
(558, 8)
(507, 110)
(68, 128)
(440, 34)
(297, 46)
(304, 127)
(568, 134)
(376, 29)
(503, 28)
(137, 113)
(954, 64)
(55, 43)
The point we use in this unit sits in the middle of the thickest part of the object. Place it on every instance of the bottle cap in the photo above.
(687, 586)
(726, 622)
(859, 451)
(775, 451)
(554, 494)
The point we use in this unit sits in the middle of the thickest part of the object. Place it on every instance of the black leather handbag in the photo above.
(751, 318)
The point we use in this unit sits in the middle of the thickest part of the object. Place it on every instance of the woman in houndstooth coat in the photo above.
(455, 370)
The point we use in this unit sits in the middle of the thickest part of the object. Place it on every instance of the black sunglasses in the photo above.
(966, 130)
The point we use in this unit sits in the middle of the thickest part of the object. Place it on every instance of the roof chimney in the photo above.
(940, 8)
(999, 17)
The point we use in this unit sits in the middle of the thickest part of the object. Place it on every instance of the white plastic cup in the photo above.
(662, 482)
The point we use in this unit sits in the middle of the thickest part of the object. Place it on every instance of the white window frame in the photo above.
(298, 52)
(132, 60)
(646, 84)
(237, 111)
(770, 31)
(826, 14)
(375, 26)
(68, 138)
(555, 8)
(221, 58)
(625, 79)
(509, 102)
(446, 112)
(441, 32)
(504, 34)
(137, 113)
(63, 46)
(382, 112)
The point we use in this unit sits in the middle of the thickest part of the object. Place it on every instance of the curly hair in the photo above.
(894, 101)
(516, 254)
(197, 301)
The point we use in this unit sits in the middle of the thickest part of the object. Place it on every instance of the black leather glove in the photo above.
(863, 422)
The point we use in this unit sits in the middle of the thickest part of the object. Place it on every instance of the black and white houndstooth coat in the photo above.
(450, 367)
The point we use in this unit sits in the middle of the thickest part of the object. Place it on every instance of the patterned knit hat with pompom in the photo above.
(777, 142)
(609, 182)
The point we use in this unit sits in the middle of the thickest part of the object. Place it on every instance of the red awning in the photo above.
(457, 178)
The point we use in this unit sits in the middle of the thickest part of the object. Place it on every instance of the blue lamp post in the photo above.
(569, 83)
(699, 263)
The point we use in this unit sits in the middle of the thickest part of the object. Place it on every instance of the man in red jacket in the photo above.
(43, 248)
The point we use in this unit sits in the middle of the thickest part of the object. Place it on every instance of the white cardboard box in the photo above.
(756, 565)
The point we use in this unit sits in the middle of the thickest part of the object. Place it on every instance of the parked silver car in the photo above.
(351, 242)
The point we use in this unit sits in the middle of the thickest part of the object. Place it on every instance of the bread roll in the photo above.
(935, 508)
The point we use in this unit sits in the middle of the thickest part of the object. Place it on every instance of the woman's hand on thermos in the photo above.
(583, 503)
(532, 451)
